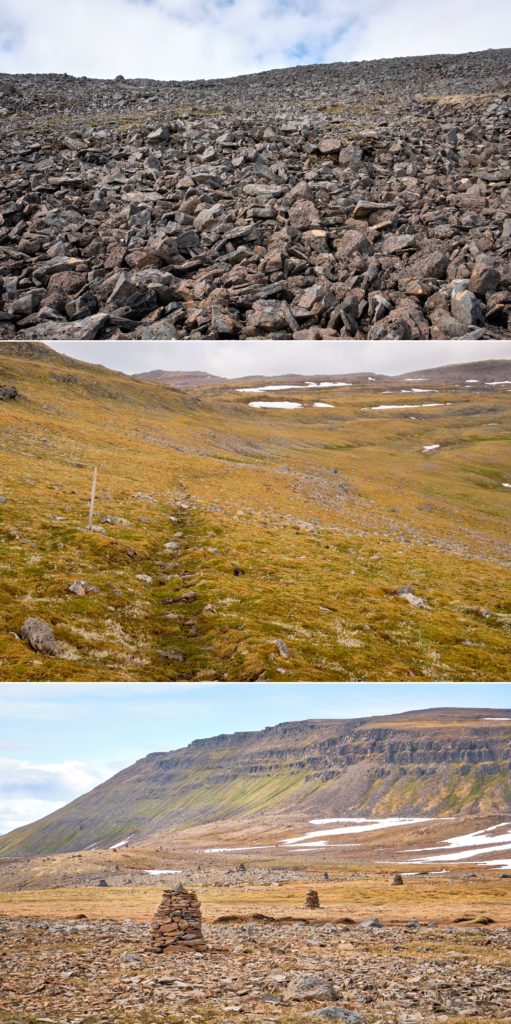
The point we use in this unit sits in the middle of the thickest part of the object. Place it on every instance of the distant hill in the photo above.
(435, 762)
(182, 380)
(480, 372)
(477, 372)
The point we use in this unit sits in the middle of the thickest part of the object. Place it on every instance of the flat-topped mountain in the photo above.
(435, 762)
(352, 200)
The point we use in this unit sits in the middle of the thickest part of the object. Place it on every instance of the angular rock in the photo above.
(466, 307)
(80, 588)
(269, 316)
(39, 636)
(309, 986)
(338, 1013)
(250, 194)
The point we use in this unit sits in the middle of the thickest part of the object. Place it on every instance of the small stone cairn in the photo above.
(397, 880)
(177, 924)
(312, 900)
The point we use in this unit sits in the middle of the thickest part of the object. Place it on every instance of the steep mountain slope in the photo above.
(435, 762)
(351, 200)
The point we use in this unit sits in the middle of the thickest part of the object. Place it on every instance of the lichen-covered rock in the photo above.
(309, 986)
(39, 636)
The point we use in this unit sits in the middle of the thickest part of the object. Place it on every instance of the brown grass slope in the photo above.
(291, 526)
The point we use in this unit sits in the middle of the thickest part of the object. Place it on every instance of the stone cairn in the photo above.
(177, 924)
(312, 900)
(397, 880)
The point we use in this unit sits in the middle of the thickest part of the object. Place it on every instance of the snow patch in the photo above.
(469, 845)
(276, 405)
(362, 825)
(425, 405)
(294, 387)
(165, 871)
(124, 842)
(499, 863)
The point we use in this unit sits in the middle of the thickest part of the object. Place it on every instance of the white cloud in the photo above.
(166, 39)
(411, 27)
(29, 791)
(186, 39)
(244, 358)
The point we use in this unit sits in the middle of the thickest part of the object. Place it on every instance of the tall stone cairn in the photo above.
(177, 924)
(312, 900)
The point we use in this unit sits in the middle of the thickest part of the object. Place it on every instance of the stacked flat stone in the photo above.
(397, 880)
(312, 900)
(177, 924)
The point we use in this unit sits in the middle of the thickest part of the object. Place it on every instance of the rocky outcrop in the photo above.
(364, 200)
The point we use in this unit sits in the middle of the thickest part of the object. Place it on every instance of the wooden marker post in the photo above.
(92, 497)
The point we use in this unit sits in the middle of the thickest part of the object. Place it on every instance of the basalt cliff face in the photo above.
(440, 762)
(361, 200)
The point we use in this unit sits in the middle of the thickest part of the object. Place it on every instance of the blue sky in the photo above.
(185, 39)
(59, 740)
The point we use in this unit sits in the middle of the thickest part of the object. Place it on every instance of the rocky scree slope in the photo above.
(362, 200)
(99, 972)
(435, 762)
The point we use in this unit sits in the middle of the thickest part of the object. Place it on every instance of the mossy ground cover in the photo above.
(292, 525)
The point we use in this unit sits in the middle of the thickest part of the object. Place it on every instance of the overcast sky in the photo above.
(186, 39)
(246, 358)
(58, 741)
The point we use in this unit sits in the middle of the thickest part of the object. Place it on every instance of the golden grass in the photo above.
(440, 899)
(327, 513)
